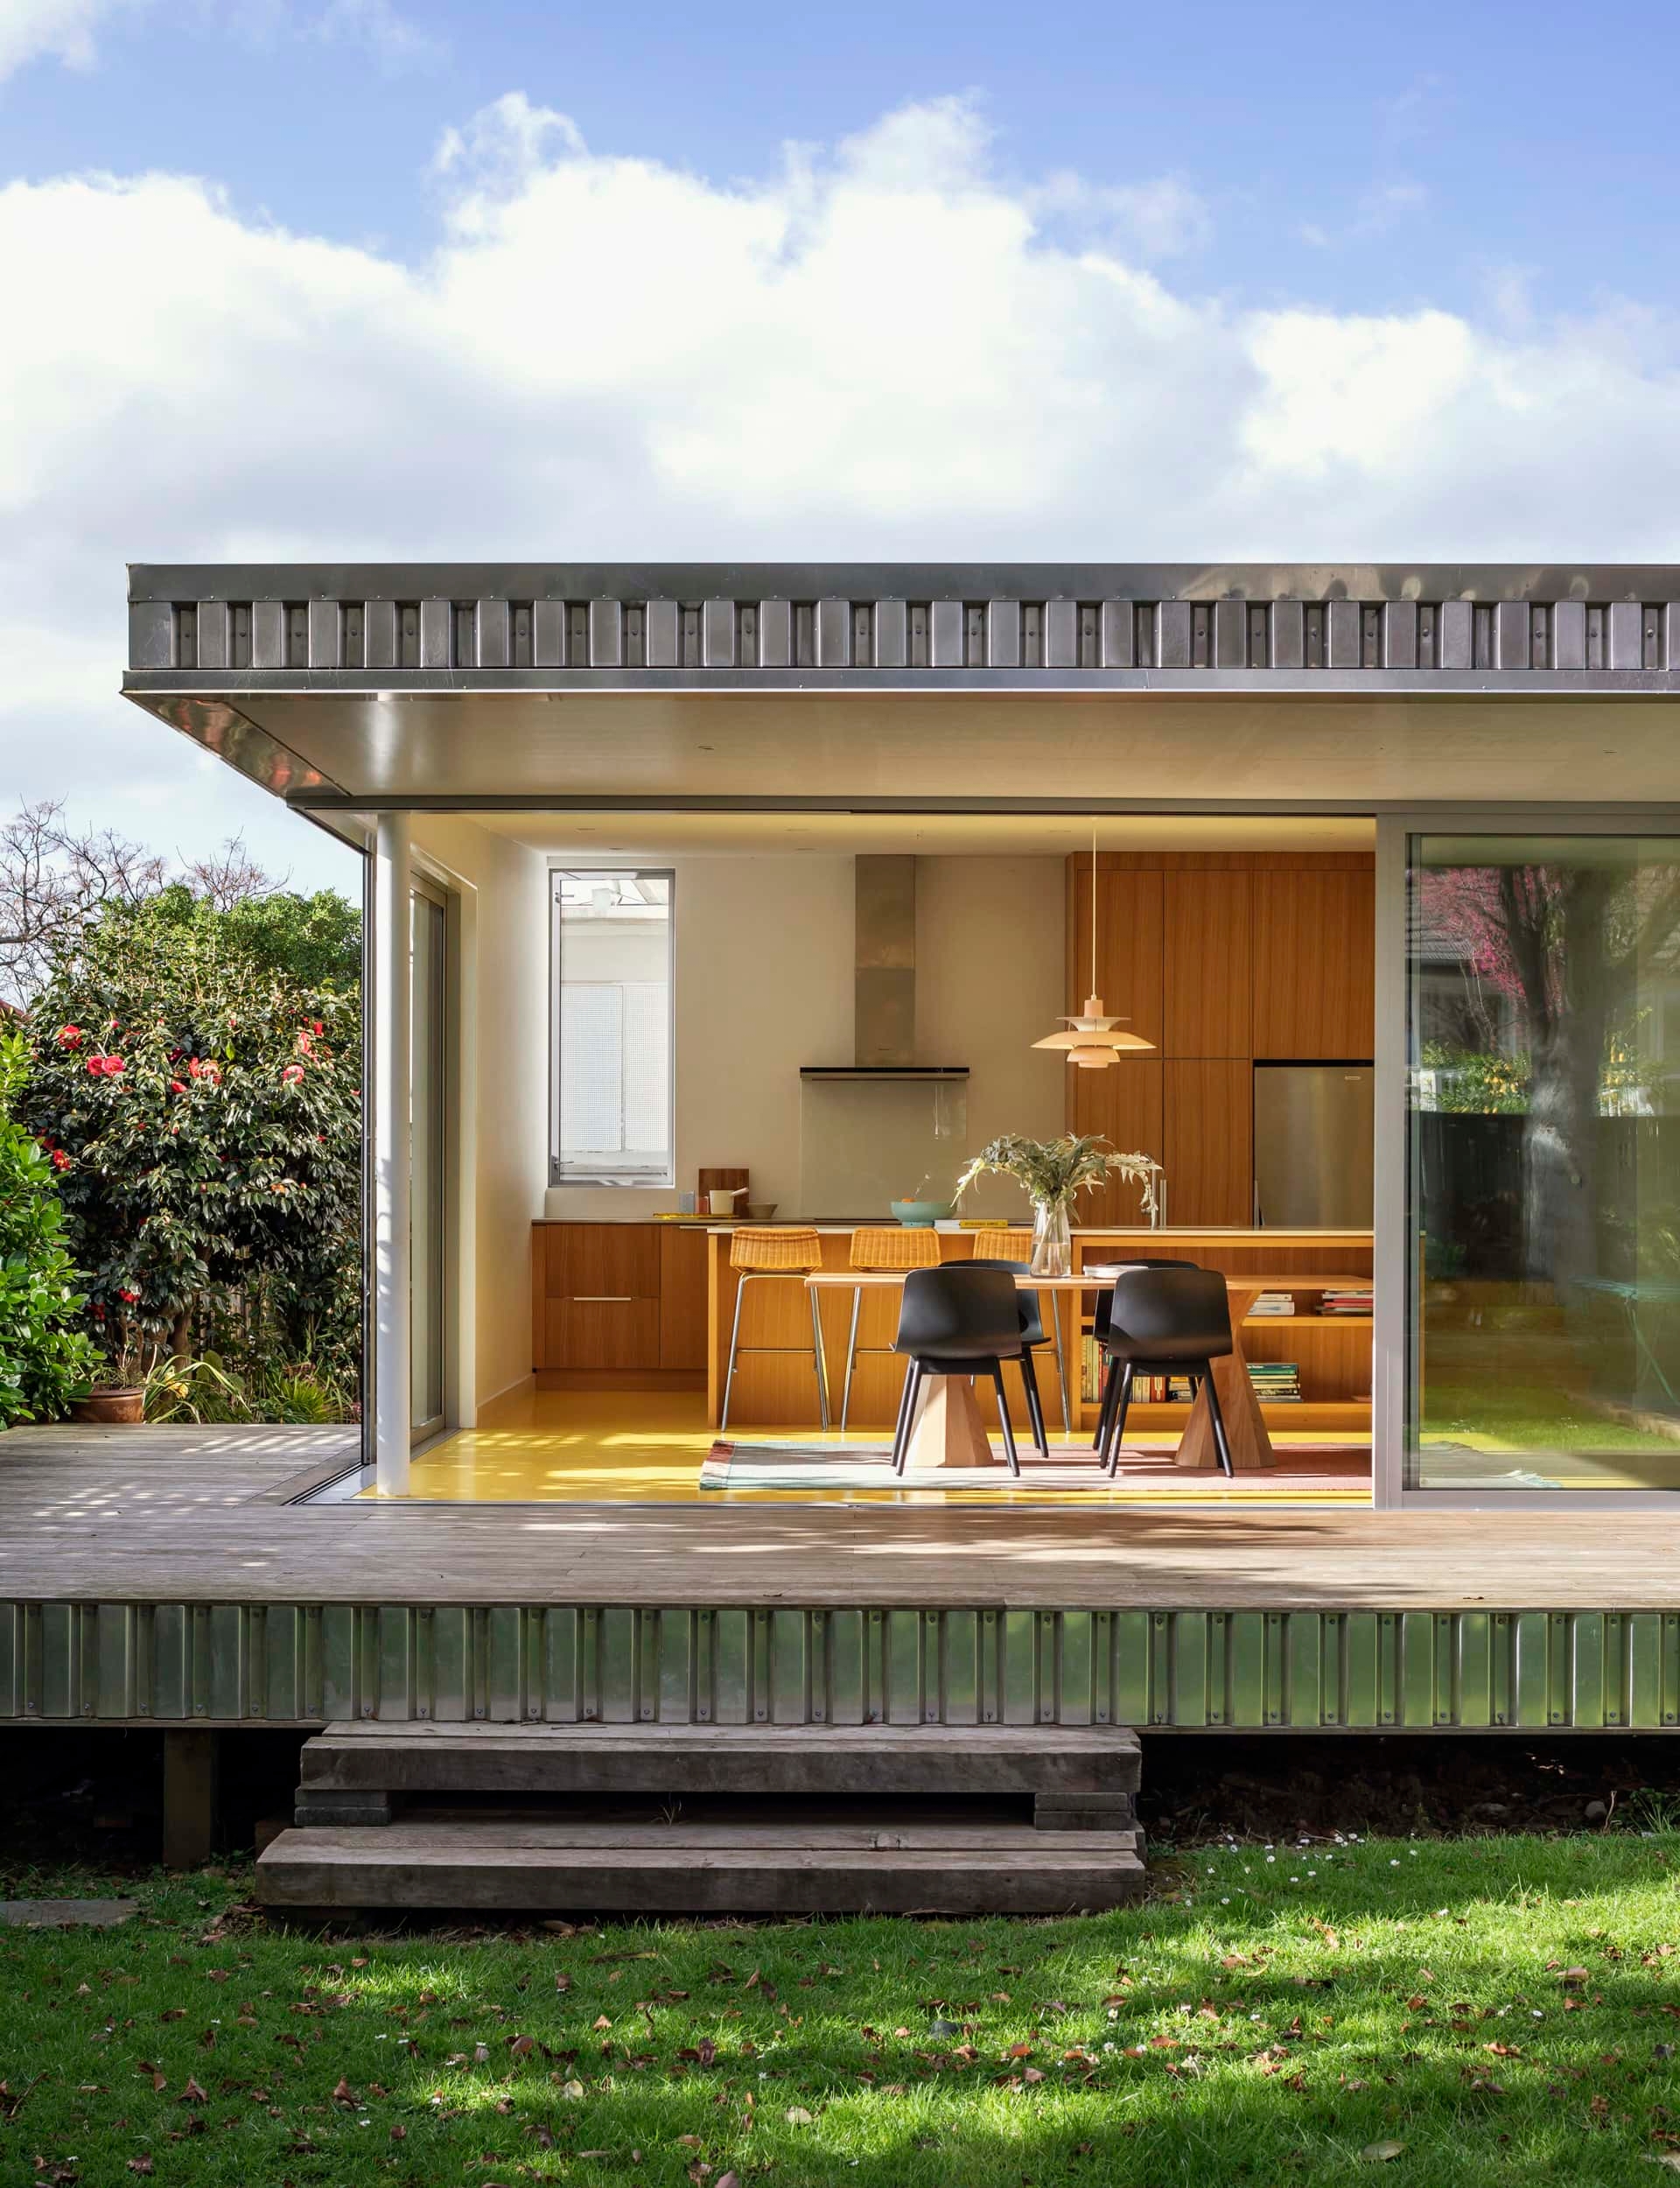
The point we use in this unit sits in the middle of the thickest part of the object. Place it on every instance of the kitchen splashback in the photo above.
(865, 1141)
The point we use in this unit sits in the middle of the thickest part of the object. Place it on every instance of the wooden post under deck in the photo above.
(191, 1796)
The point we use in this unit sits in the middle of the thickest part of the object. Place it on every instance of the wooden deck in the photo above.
(198, 1515)
(153, 1575)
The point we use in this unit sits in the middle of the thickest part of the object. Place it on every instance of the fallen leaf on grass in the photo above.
(1379, 2153)
(729, 2180)
(192, 2094)
(139, 2164)
(796, 2116)
(571, 2091)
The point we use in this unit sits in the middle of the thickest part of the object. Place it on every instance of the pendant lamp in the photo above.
(1091, 1041)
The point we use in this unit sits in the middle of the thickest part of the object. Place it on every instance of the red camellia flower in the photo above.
(178, 1086)
(133, 1297)
(317, 1025)
(60, 1161)
(69, 1036)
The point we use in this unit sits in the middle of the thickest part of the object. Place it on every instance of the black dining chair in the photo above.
(1168, 1321)
(1033, 1333)
(1100, 1329)
(958, 1320)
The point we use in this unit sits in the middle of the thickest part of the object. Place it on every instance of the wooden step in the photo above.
(786, 1868)
(990, 1761)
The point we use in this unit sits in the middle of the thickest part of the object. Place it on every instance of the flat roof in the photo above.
(461, 685)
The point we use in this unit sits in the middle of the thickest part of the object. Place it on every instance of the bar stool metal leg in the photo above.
(734, 1344)
(851, 1355)
(1061, 1364)
(907, 1416)
(1116, 1421)
(817, 1360)
(1217, 1419)
(1034, 1404)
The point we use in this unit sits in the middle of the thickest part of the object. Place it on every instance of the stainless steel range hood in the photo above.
(884, 980)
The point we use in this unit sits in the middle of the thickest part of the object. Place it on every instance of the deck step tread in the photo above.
(787, 1868)
(432, 1839)
(418, 1758)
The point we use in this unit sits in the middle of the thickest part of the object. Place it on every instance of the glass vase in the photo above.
(1052, 1240)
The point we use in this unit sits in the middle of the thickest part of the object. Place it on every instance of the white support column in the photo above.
(392, 1005)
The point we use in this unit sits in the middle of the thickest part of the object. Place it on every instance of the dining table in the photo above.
(949, 1431)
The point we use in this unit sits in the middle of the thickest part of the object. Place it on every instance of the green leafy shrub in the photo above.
(202, 1104)
(45, 1359)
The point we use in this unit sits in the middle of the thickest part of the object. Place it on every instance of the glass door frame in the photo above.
(1394, 1257)
(424, 886)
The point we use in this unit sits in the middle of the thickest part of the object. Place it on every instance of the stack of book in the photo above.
(1276, 1382)
(1146, 1390)
(1274, 1303)
(1355, 1299)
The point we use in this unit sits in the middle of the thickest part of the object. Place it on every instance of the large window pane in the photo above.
(612, 1029)
(1544, 1161)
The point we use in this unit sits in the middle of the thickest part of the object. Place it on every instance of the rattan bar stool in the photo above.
(1013, 1250)
(790, 1252)
(892, 1246)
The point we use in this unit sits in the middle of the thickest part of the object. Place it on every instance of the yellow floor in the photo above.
(646, 1448)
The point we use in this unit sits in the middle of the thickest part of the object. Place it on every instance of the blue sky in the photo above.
(325, 278)
(1371, 157)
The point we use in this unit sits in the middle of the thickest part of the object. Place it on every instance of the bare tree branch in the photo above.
(56, 879)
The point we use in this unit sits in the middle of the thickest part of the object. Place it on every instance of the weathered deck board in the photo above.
(181, 1516)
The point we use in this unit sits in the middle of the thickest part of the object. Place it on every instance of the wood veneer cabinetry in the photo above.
(1219, 959)
(621, 1305)
(1314, 950)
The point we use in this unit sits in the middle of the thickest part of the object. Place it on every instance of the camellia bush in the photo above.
(201, 1106)
(45, 1358)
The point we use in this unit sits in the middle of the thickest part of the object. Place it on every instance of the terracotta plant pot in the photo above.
(112, 1406)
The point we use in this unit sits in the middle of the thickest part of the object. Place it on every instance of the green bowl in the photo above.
(920, 1215)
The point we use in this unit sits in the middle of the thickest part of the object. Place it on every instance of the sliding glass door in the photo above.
(1542, 1157)
(429, 1143)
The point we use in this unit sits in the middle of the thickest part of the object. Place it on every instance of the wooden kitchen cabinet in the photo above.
(1123, 1104)
(619, 1305)
(1129, 924)
(1209, 965)
(1208, 1121)
(1314, 951)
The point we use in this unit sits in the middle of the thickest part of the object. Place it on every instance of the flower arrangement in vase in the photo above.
(1052, 1172)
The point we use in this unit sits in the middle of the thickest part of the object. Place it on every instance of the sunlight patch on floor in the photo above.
(647, 1448)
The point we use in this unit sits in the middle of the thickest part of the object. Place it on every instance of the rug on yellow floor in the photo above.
(1302, 1468)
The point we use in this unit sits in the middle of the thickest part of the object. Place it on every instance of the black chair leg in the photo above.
(1034, 1404)
(902, 1422)
(1117, 1421)
(1110, 1383)
(1010, 1451)
(1218, 1420)
(906, 1416)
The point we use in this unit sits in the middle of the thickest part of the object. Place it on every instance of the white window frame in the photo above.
(604, 1177)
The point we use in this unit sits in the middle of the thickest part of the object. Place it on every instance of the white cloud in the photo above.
(882, 349)
(50, 29)
(376, 26)
(63, 30)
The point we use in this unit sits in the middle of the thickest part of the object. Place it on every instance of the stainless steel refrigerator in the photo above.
(1312, 1125)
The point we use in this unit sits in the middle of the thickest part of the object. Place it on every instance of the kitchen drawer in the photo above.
(603, 1331)
(600, 1261)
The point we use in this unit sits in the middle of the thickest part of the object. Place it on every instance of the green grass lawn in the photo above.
(1471, 2010)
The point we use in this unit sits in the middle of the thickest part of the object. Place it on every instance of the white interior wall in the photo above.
(764, 984)
(990, 971)
(500, 1052)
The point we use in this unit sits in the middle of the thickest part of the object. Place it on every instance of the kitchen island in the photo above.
(774, 1389)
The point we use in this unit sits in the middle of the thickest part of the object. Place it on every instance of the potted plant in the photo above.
(1052, 1172)
(118, 1392)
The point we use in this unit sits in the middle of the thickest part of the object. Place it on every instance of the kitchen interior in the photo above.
(854, 1006)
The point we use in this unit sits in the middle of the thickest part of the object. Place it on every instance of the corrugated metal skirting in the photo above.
(291, 1663)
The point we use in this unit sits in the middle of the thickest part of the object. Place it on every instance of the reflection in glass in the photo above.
(1543, 1016)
